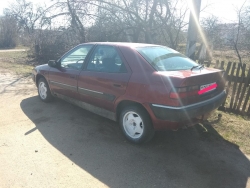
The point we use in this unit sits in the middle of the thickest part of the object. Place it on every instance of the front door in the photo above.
(63, 80)
(104, 78)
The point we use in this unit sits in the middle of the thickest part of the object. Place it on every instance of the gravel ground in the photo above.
(60, 145)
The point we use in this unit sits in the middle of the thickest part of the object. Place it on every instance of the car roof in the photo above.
(126, 44)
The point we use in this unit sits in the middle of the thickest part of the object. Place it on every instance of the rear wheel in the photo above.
(136, 124)
(44, 91)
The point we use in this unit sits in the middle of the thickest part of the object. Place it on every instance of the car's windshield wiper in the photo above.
(197, 66)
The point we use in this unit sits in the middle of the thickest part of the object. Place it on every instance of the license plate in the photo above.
(207, 85)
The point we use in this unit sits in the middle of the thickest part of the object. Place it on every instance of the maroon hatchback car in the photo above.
(144, 87)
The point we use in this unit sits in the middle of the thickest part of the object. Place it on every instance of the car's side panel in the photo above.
(43, 70)
(102, 89)
(97, 110)
(63, 78)
(64, 81)
(143, 86)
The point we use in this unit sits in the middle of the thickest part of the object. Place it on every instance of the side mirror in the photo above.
(52, 63)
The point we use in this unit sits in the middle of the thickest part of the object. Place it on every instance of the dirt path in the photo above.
(60, 145)
(13, 50)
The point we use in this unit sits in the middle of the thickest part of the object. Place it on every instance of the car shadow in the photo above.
(195, 157)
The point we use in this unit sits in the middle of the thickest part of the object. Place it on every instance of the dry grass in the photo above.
(21, 56)
(15, 61)
(229, 55)
(234, 128)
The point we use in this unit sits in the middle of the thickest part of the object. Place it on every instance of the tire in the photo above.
(136, 124)
(44, 91)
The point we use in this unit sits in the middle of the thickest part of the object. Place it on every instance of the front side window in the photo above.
(75, 59)
(106, 59)
(166, 59)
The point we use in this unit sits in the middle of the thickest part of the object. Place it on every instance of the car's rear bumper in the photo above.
(189, 112)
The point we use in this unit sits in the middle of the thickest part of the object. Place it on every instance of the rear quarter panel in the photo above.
(145, 86)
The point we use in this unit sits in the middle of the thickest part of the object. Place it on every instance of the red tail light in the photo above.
(184, 92)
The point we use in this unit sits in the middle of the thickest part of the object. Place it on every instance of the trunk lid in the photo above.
(201, 84)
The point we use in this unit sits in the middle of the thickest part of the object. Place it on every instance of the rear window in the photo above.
(166, 59)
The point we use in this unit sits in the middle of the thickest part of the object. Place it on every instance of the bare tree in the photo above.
(150, 21)
(8, 32)
(211, 28)
(239, 27)
(28, 15)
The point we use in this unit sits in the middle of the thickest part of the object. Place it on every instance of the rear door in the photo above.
(63, 79)
(104, 78)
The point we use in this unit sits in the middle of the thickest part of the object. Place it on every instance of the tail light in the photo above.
(191, 91)
(184, 92)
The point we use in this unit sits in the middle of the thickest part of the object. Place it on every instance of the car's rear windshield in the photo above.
(165, 59)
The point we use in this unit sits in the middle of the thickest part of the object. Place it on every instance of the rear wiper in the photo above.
(197, 66)
(202, 66)
(194, 67)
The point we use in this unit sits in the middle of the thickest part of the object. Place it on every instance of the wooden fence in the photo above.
(237, 78)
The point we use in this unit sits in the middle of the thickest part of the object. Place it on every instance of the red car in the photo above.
(144, 87)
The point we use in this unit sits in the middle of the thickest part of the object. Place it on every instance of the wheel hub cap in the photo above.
(133, 124)
(42, 90)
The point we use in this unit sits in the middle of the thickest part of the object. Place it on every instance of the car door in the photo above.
(104, 77)
(63, 79)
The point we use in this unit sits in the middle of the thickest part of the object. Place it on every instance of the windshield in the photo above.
(166, 59)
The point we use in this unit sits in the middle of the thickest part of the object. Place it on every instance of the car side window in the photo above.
(106, 59)
(75, 59)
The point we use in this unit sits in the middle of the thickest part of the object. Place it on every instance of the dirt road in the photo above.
(13, 50)
(60, 145)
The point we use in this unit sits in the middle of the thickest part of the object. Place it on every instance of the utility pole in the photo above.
(193, 28)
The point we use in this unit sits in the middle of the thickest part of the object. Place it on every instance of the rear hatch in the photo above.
(185, 81)
(192, 86)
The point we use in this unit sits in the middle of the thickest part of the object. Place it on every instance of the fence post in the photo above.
(234, 87)
(247, 97)
(222, 65)
(231, 78)
(244, 89)
(240, 79)
(226, 79)
(228, 69)
(217, 64)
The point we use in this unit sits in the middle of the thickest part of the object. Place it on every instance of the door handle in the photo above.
(72, 76)
(117, 85)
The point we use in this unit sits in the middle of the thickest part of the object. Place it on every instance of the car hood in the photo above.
(42, 67)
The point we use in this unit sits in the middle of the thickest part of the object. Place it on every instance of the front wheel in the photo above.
(44, 91)
(136, 124)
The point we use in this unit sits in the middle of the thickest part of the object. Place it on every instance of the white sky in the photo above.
(224, 9)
